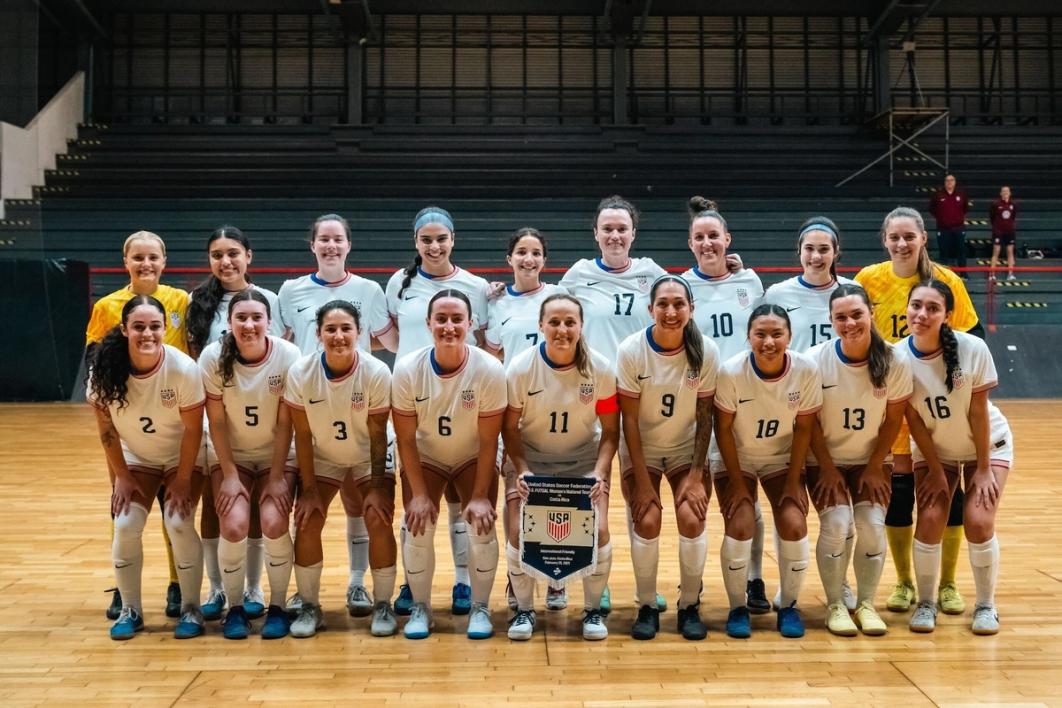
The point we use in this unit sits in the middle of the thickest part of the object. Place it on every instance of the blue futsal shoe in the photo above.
(462, 599)
(214, 605)
(277, 624)
(739, 623)
(790, 624)
(129, 622)
(190, 625)
(236, 624)
(404, 601)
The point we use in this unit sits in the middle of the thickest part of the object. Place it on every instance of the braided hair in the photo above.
(111, 366)
(427, 215)
(949, 343)
(879, 358)
(691, 334)
(208, 295)
(583, 362)
(230, 353)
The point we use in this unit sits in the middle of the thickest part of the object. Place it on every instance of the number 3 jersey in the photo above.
(559, 406)
(852, 407)
(808, 307)
(150, 424)
(252, 397)
(667, 389)
(947, 415)
(338, 409)
(765, 409)
(448, 406)
(512, 319)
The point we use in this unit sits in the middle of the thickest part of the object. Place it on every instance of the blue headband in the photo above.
(669, 277)
(818, 226)
(433, 216)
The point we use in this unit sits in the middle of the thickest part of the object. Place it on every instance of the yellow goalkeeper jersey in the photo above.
(888, 293)
(107, 312)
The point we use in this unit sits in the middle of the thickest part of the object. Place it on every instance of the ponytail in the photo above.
(111, 366)
(410, 271)
(879, 358)
(950, 346)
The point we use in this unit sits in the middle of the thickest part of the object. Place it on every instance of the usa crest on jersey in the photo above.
(958, 379)
(742, 296)
(794, 399)
(879, 393)
(643, 282)
(468, 398)
(586, 393)
(276, 385)
(693, 379)
(357, 400)
(169, 397)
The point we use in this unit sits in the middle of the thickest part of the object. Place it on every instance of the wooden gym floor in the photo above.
(54, 647)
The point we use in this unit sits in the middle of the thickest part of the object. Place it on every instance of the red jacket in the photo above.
(949, 209)
(1004, 216)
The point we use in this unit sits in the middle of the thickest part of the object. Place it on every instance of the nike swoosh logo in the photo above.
(303, 308)
(230, 572)
(745, 400)
(730, 567)
(824, 386)
(790, 309)
(421, 400)
(410, 297)
(535, 393)
(277, 565)
(875, 555)
(317, 401)
(185, 567)
(228, 385)
(592, 283)
(643, 378)
(505, 321)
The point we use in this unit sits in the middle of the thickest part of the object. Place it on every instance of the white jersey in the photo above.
(722, 305)
(615, 301)
(448, 406)
(410, 311)
(808, 307)
(301, 297)
(852, 408)
(253, 396)
(765, 410)
(512, 320)
(559, 406)
(338, 409)
(947, 415)
(150, 424)
(219, 327)
(667, 389)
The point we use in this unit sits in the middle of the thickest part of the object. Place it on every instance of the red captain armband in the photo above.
(607, 405)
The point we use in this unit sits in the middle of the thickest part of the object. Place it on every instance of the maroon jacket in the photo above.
(949, 209)
(1004, 216)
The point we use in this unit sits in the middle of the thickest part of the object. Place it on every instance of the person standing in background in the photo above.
(1003, 214)
(949, 206)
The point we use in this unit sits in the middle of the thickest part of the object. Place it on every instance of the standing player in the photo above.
(408, 293)
(229, 254)
(148, 399)
(300, 298)
(562, 420)
(765, 401)
(959, 436)
(1003, 214)
(865, 388)
(144, 257)
(448, 405)
(666, 379)
(888, 284)
(339, 401)
(244, 375)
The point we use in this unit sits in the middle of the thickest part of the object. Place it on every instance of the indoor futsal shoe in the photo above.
(190, 625)
(236, 624)
(293, 605)
(384, 623)
(690, 625)
(606, 601)
(461, 599)
(277, 624)
(839, 622)
(756, 597)
(849, 597)
(739, 623)
(556, 598)
(114, 610)
(950, 599)
(790, 624)
(985, 620)
(594, 629)
(420, 622)
(309, 620)
(869, 621)
(647, 624)
(359, 604)
(173, 600)
(522, 625)
(479, 623)
(253, 603)
(510, 596)
(404, 601)
(129, 622)
(661, 603)
(214, 605)
(901, 598)
(924, 619)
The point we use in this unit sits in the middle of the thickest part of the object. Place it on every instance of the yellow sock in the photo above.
(949, 553)
(112, 530)
(169, 552)
(901, 543)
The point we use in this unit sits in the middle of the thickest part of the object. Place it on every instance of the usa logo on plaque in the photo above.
(558, 537)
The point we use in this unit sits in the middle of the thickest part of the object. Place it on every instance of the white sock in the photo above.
(255, 562)
(210, 560)
(383, 583)
(984, 560)
(692, 554)
(458, 542)
(830, 550)
(849, 545)
(233, 558)
(756, 553)
(793, 568)
(279, 555)
(869, 559)
(308, 582)
(926, 570)
(418, 557)
(357, 549)
(645, 555)
(127, 554)
(523, 584)
(187, 556)
(734, 560)
(484, 553)
(594, 584)
(402, 543)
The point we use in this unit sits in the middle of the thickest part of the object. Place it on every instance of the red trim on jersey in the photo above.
(628, 394)
(214, 396)
(344, 377)
(326, 284)
(407, 414)
(706, 394)
(265, 357)
(390, 325)
(988, 386)
(154, 369)
(192, 407)
(491, 414)
(723, 408)
(607, 405)
(377, 411)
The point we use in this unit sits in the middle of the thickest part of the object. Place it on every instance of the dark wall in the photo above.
(18, 61)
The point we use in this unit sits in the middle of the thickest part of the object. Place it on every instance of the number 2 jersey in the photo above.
(512, 320)
(765, 409)
(448, 406)
(150, 424)
(947, 415)
(808, 307)
(852, 407)
(338, 409)
(559, 406)
(722, 305)
(667, 389)
(251, 398)
(615, 300)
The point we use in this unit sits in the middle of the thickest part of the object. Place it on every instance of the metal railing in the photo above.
(932, 116)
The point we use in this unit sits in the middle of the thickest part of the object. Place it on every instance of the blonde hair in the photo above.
(143, 236)
(925, 264)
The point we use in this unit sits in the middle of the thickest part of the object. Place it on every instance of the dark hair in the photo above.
(527, 231)
(691, 334)
(948, 343)
(205, 299)
(344, 305)
(702, 206)
(879, 358)
(617, 202)
(583, 362)
(769, 310)
(111, 366)
(328, 217)
(411, 269)
(824, 224)
(450, 292)
(229, 351)
(925, 264)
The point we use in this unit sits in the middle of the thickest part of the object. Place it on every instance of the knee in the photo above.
(742, 525)
(932, 518)
(834, 523)
(378, 528)
(792, 525)
(130, 524)
(689, 525)
(868, 517)
(273, 524)
(979, 526)
(649, 525)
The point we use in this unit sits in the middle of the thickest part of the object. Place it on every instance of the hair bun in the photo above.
(698, 204)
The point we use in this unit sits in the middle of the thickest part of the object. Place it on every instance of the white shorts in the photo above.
(1000, 453)
(331, 473)
(666, 463)
(759, 471)
(258, 466)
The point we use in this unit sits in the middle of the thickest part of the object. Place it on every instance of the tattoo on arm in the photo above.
(703, 433)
